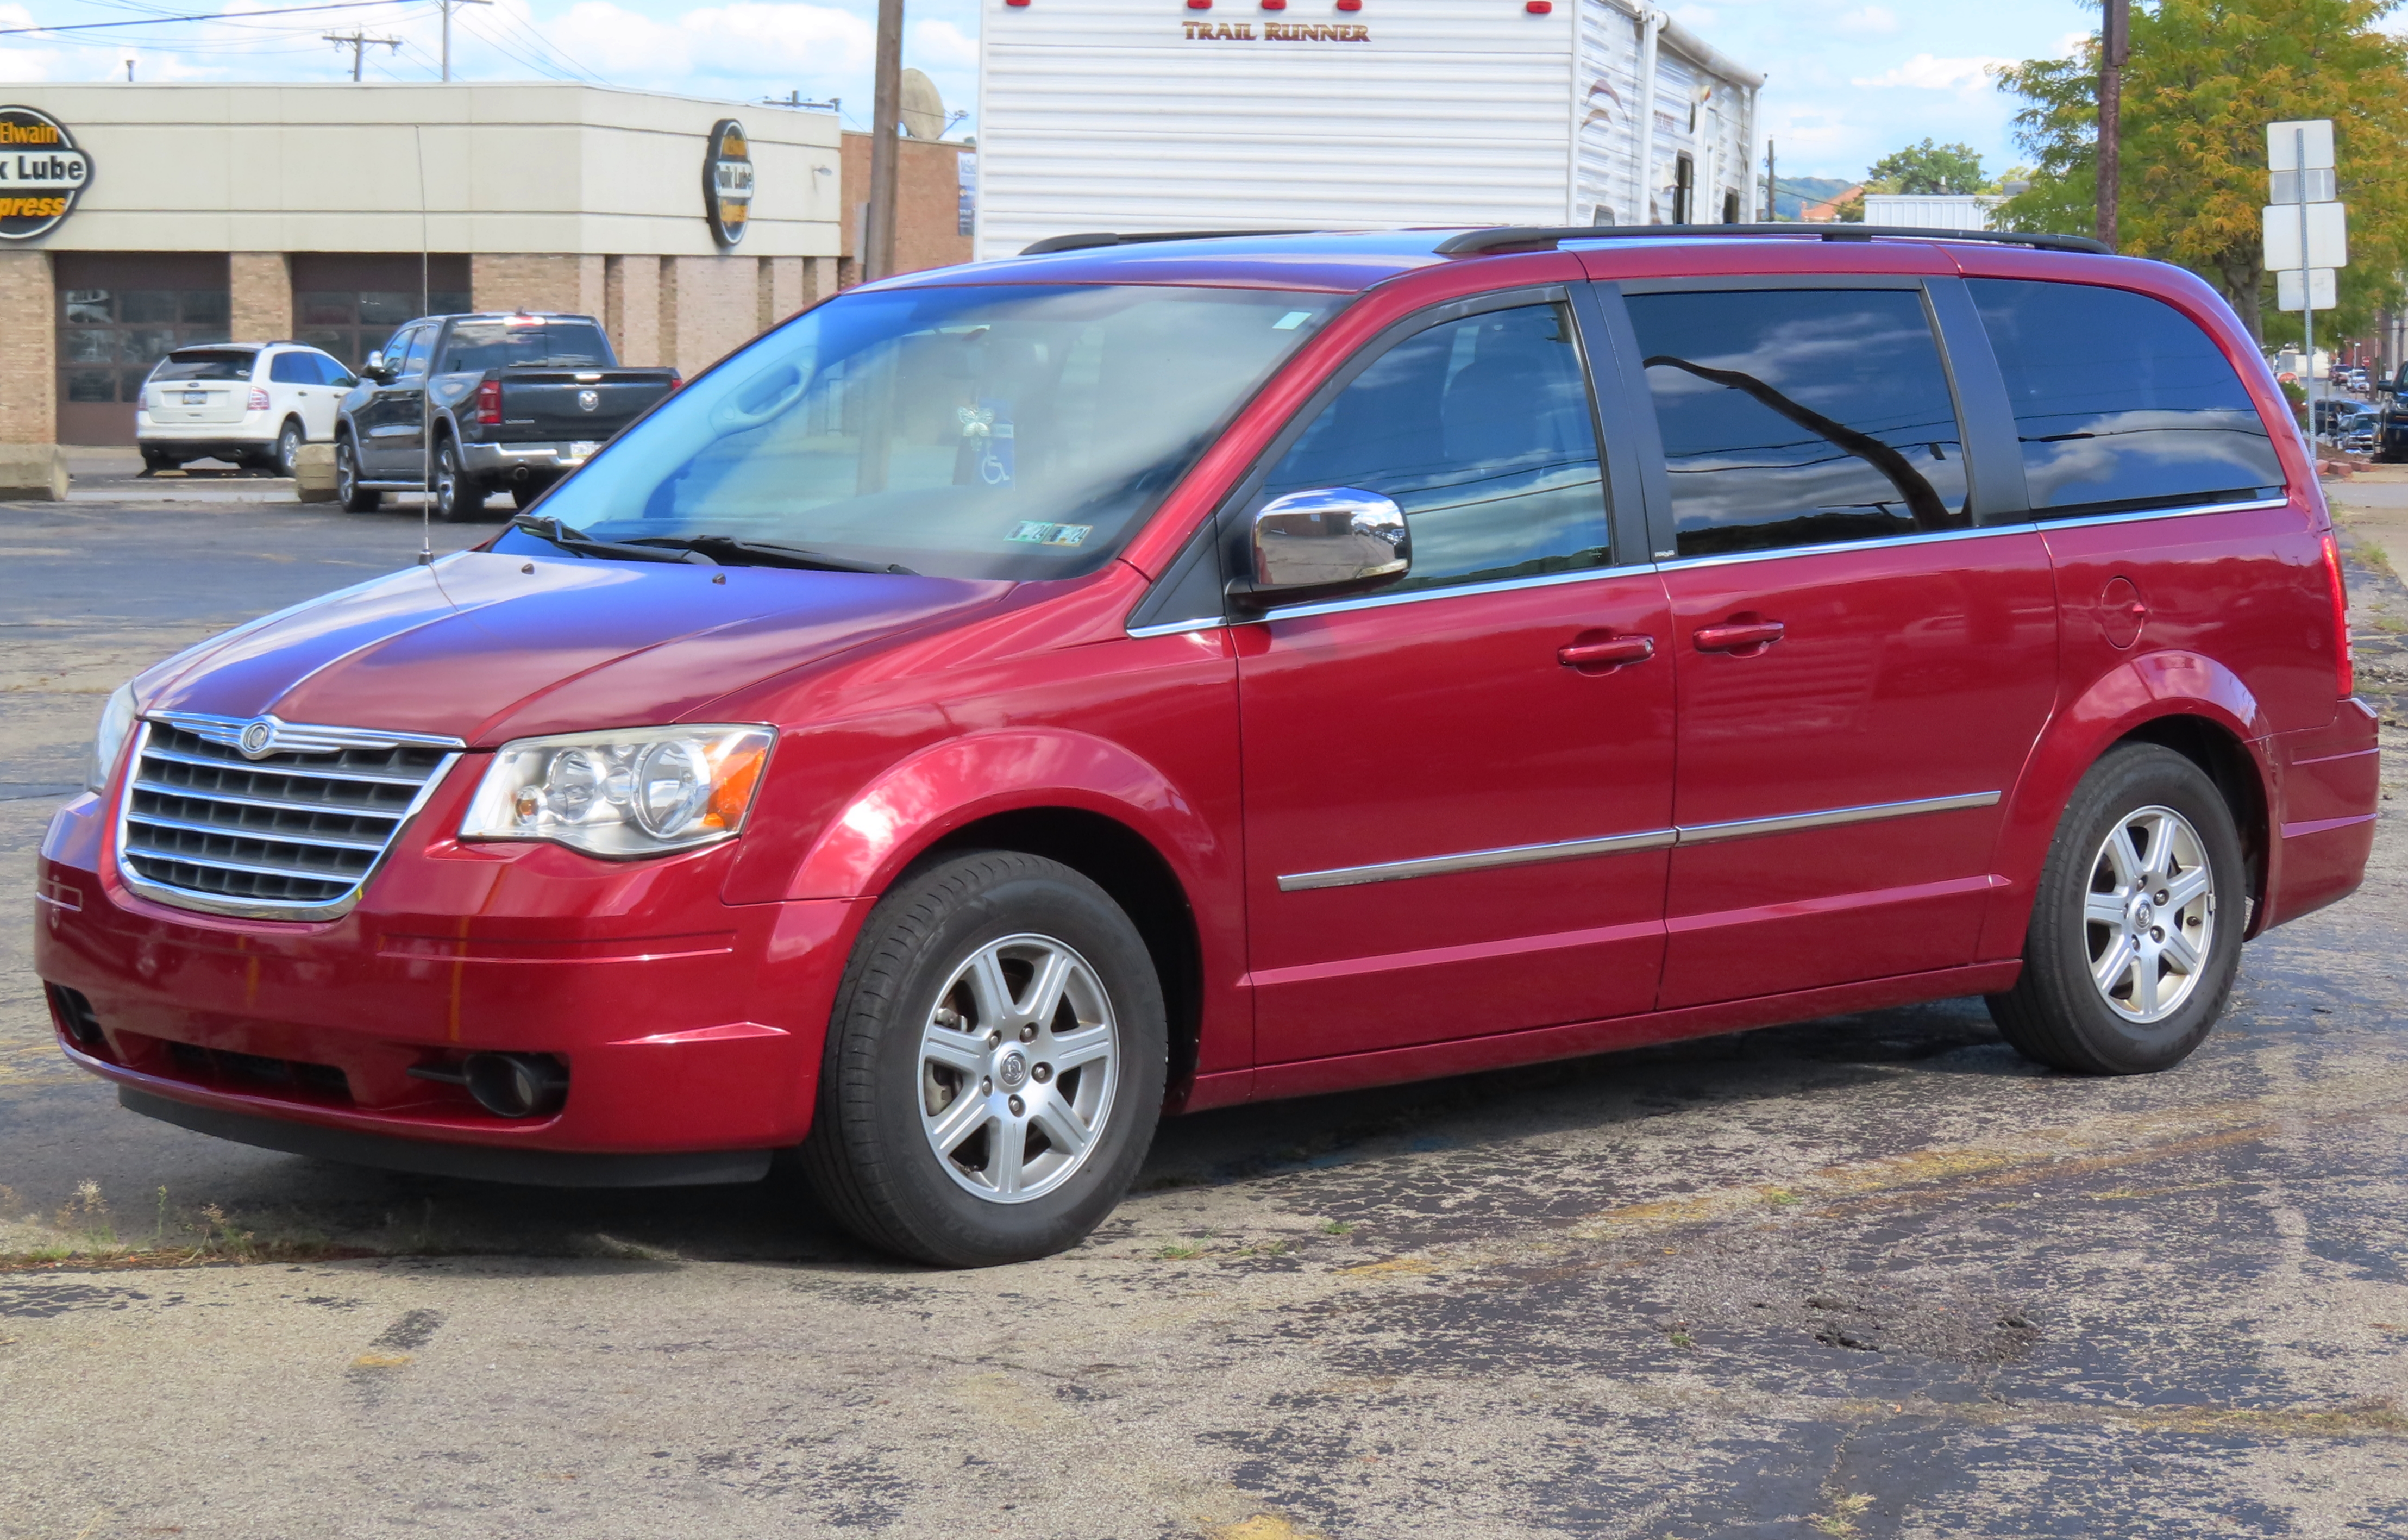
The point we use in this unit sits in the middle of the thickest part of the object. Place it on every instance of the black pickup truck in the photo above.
(470, 405)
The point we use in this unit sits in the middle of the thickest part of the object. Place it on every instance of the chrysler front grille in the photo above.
(265, 818)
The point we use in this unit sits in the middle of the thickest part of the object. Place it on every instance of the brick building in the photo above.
(934, 193)
(332, 213)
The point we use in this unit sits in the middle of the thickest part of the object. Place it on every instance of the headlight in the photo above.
(108, 741)
(642, 791)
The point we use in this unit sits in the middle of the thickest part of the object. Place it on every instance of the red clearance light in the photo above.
(1350, 5)
(1015, 2)
(488, 403)
(1274, 4)
(1539, 8)
(1199, 5)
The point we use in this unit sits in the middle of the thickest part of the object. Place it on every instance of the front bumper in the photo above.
(521, 462)
(688, 1025)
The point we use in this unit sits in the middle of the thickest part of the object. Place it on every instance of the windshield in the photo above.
(480, 345)
(205, 365)
(1004, 431)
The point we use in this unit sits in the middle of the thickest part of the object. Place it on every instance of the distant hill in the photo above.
(1798, 192)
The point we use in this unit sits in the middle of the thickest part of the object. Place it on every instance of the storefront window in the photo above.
(351, 324)
(132, 328)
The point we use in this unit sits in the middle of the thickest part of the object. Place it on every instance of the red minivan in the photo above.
(1006, 702)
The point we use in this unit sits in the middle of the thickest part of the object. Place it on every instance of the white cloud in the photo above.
(768, 39)
(1966, 76)
(941, 45)
(1869, 21)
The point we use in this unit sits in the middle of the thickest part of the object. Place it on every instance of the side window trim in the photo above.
(1657, 537)
(1616, 396)
(1994, 455)
(1176, 601)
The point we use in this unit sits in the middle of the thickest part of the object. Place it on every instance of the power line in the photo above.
(214, 16)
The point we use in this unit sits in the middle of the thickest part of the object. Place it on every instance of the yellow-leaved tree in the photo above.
(2206, 78)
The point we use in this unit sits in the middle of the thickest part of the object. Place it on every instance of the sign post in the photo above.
(2307, 230)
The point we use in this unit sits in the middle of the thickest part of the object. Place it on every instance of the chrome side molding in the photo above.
(1612, 844)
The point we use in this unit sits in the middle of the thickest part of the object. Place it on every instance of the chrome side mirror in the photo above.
(1322, 544)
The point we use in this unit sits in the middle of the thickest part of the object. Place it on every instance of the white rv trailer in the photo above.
(1137, 115)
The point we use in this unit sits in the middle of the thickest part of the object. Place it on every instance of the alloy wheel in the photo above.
(447, 483)
(288, 449)
(347, 474)
(1019, 1066)
(2149, 915)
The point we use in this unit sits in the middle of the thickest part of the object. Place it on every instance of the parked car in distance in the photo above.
(1008, 701)
(253, 403)
(466, 406)
(2355, 432)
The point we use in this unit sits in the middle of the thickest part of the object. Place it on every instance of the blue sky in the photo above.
(1850, 79)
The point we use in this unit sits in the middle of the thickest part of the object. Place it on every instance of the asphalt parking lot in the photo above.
(1868, 1277)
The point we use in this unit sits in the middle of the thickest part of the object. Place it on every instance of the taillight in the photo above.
(488, 403)
(258, 398)
(2344, 666)
(676, 380)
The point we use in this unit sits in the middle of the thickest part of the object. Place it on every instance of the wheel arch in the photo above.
(1089, 803)
(2183, 701)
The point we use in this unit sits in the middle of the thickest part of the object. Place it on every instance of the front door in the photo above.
(1456, 819)
(1864, 665)
(392, 424)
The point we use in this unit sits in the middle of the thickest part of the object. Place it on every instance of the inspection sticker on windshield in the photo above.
(1291, 320)
(1050, 534)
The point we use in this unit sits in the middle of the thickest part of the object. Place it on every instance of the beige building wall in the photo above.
(259, 289)
(525, 281)
(28, 370)
(718, 309)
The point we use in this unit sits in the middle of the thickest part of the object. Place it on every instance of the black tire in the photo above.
(2059, 1014)
(288, 447)
(870, 1157)
(354, 498)
(459, 497)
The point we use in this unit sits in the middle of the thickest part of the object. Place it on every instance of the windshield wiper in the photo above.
(721, 548)
(577, 540)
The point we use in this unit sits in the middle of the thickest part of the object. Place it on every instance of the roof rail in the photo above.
(1544, 238)
(1108, 238)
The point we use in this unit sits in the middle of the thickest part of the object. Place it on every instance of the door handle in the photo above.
(1737, 636)
(1611, 652)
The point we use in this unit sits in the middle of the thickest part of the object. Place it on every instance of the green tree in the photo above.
(2206, 78)
(1928, 167)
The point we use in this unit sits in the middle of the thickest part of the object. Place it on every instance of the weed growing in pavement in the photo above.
(1337, 1227)
(1178, 1252)
(1841, 1520)
(85, 1217)
(1781, 1197)
(220, 1237)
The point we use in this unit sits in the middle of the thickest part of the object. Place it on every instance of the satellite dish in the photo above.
(923, 110)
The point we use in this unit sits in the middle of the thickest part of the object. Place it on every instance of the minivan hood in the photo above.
(473, 646)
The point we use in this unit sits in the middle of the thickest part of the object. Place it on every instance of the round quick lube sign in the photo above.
(42, 173)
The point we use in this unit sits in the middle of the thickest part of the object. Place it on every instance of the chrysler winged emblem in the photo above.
(588, 399)
(258, 739)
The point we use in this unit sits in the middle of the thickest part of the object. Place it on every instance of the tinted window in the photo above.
(330, 371)
(421, 343)
(477, 346)
(1480, 430)
(294, 369)
(2120, 401)
(205, 365)
(1802, 416)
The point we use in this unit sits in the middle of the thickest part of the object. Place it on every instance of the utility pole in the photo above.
(2114, 47)
(359, 43)
(877, 244)
(449, 5)
(1771, 187)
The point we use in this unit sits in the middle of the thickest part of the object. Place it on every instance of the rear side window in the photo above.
(1800, 417)
(2121, 401)
(294, 369)
(205, 365)
(1479, 429)
(477, 346)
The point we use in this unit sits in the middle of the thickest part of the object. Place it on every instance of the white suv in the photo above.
(253, 403)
